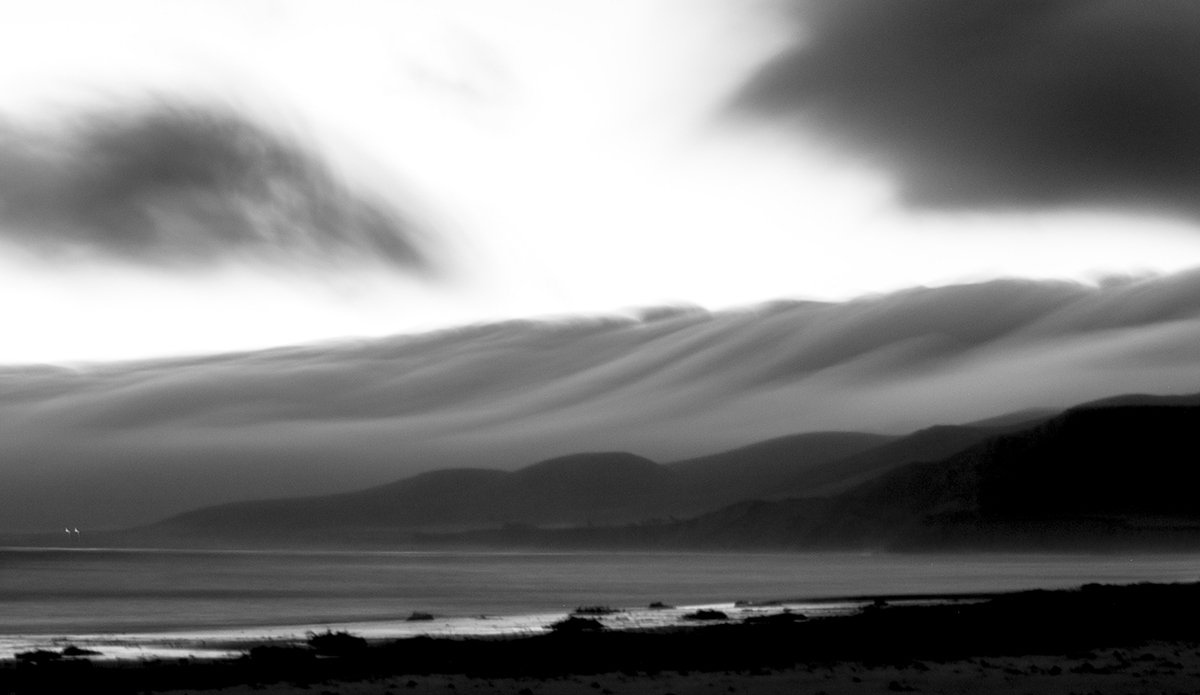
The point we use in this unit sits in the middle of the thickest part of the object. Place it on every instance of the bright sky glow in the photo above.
(570, 154)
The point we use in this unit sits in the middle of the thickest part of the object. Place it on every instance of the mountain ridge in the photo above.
(596, 488)
(1108, 473)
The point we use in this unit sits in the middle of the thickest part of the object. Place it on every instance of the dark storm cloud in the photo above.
(174, 184)
(1001, 103)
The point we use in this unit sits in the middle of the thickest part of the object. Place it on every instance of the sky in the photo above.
(255, 249)
(189, 178)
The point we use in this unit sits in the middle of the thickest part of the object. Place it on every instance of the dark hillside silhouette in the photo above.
(609, 488)
(1114, 461)
(764, 469)
(583, 488)
(1096, 476)
(930, 444)
(1110, 463)
(579, 489)
(1102, 475)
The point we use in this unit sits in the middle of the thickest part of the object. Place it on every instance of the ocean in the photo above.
(183, 602)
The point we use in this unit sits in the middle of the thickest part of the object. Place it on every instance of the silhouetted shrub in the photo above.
(594, 610)
(38, 656)
(706, 614)
(331, 643)
(784, 618)
(576, 624)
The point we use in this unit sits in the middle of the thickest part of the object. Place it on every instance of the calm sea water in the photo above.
(78, 591)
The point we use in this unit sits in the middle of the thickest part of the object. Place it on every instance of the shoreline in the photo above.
(1090, 635)
(228, 642)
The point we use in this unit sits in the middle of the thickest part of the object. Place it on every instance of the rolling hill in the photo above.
(1115, 475)
(587, 489)
(1109, 474)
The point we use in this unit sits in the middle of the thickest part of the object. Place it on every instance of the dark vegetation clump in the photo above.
(784, 618)
(594, 610)
(576, 624)
(331, 643)
(38, 656)
(706, 614)
(274, 654)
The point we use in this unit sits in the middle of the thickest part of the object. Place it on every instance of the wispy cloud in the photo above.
(178, 184)
(128, 442)
(1001, 103)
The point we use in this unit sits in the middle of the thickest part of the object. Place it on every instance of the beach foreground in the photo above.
(1158, 667)
(1123, 639)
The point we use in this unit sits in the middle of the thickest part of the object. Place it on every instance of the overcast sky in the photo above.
(195, 177)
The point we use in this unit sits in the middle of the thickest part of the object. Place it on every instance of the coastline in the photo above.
(1121, 638)
(231, 642)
